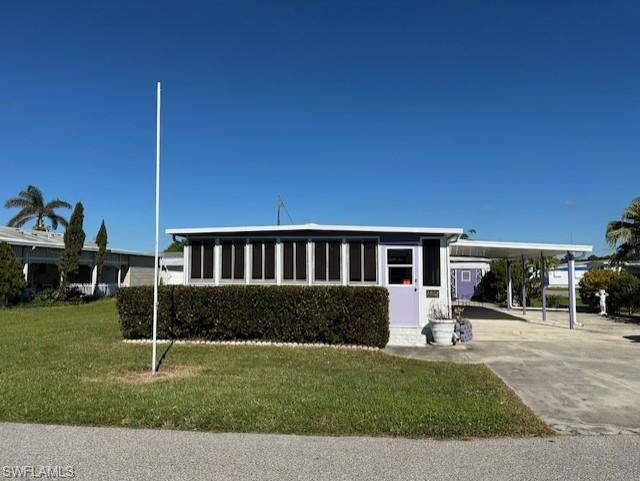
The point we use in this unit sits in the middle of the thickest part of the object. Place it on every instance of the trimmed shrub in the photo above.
(135, 309)
(11, 276)
(325, 314)
(624, 294)
(623, 289)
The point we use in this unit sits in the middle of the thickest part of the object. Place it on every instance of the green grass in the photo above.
(59, 363)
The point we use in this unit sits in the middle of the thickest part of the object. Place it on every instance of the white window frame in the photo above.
(333, 282)
(361, 241)
(275, 260)
(202, 279)
(294, 241)
(233, 241)
(414, 278)
(465, 275)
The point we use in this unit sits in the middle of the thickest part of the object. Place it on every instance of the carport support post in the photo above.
(571, 271)
(509, 286)
(543, 288)
(524, 289)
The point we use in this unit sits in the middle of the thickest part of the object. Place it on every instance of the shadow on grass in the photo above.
(164, 354)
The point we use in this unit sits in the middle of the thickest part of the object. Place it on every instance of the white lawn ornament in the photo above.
(602, 294)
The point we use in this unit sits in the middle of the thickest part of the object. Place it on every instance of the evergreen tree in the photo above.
(101, 256)
(73, 242)
(11, 276)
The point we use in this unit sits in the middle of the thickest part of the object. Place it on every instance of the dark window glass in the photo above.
(334, 261)
(431, 262)
(401, 275)
(355, 261)
(227, 260)
(256, 260)
(238, 261)
(320, 261)
(301, 260)
(399, 256)
(196, 260)
(287, 260)
(370, 255)
(269, 260)
(207, 261)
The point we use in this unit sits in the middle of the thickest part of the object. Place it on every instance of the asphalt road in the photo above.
(119, 454)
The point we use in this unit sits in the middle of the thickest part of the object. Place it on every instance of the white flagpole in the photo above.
(154, 367)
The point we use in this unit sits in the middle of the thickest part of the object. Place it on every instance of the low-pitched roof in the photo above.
(500, 249)
(54, 240)
(314, 228)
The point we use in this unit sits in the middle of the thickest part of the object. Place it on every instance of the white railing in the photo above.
(103, 289)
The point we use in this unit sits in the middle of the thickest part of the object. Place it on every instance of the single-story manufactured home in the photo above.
(40, 251)
(412, 263)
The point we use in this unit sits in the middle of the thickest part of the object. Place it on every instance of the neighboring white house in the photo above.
(39, 253)
(558, 277)
(172, 268)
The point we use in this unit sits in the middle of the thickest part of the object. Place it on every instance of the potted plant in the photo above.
(442, 325)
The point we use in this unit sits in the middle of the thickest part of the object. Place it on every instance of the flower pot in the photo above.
(442, 330)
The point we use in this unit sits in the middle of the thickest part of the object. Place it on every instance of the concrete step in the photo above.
(406, 336)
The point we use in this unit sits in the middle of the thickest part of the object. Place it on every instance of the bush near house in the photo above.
(11, 276)
(624, 295)
(592, 281)
(325, 314)
(623, 289)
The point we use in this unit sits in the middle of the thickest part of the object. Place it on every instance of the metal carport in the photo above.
(520, 251)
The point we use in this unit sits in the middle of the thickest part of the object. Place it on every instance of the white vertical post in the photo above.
(154, 367)
(94, 278)
(509, 285)
(278, 249)
(523, 290)
(344, 248)
(543, 287)
(217, 262)
(25, 271)
(571, 271)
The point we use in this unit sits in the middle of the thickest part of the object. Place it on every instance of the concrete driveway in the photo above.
(585, 381)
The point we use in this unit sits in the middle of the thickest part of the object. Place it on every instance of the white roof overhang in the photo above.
(511, 250)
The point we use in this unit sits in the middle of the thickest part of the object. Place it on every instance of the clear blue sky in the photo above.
(521, 120)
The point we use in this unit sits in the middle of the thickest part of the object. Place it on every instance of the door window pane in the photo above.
(401, 275)
(400, 256)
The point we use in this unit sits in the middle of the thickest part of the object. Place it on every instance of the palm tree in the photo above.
(624, 234)
(32, 206)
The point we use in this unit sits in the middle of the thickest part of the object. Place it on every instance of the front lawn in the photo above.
(68, 365)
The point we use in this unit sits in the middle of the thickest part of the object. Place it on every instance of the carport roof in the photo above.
(505, 250)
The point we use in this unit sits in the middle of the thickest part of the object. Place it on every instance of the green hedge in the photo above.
(326, 314)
